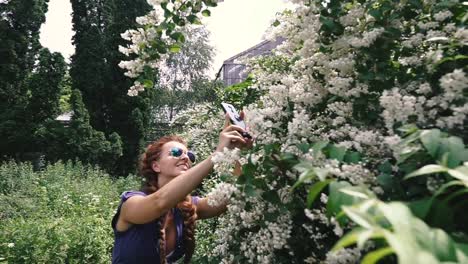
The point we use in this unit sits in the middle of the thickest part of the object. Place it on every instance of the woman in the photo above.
(156, 224)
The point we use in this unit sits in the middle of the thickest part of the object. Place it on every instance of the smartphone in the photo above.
(235, 118)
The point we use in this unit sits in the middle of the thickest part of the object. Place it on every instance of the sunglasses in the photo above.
(177, 153)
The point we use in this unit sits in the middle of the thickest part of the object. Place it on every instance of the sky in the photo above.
(235, 26)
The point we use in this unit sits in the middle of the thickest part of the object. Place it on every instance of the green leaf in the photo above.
(460, 173)
(321, 173)
(178, 36)
(304, 147)
(406, 152)
(272, 196)
(305, 176)
(183, 7)
(337, 198)
(385, 167)
(276, 23)
(148, 84)
(409, 130)
(318, 146)
(440, 244)
(348, 239)
(455, 194)
(206, 13)
(248, 170)
(355, 193)
(251, 191)
(420, 208)
(444, 187)
(431, 140)
(352, 157)
(456, 151)
(376, 13)
(194, 19)
(374, 256)
(211, 3)
(337, 153)
(428, 169)
(315, 190)
(174, 48)
(330, 25)
(161, 47)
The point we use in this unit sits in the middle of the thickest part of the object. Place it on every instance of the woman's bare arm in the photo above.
(143, 209)
(204, 210)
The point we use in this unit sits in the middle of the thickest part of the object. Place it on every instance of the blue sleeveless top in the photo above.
(140, 243)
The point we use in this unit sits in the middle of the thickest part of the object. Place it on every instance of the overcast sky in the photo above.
(235, 26)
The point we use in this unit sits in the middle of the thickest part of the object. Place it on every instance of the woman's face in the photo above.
(169, 166)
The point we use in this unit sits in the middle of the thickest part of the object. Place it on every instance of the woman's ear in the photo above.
(155, 167)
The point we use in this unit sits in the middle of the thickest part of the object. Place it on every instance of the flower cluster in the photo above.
(220, 194)
(223, 161)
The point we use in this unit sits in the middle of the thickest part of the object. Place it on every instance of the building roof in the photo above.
(261, 48)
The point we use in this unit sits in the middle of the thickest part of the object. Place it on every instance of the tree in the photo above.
(183, 73)
(128, 116)
(29, 76)
(95, 72)
(86, 143)
(89, 68)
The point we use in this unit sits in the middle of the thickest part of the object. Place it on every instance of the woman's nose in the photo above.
(184, 156)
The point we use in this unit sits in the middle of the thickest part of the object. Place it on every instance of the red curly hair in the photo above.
(150, 185)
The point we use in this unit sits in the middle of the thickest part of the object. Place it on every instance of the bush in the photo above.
(59, 215)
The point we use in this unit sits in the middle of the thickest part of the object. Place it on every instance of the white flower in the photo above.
(410, 61)
(413, 41)
(353, 16)
(135, 89)
(398, 107)
(367, 39)
(223, 161)
(428, 25)
(220, 194)
(154, 3)
(424, 88)
(462, 35)
(443, 15)
(454, 83)
(343, 256)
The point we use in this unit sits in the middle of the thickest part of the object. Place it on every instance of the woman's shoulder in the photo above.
(127, 194)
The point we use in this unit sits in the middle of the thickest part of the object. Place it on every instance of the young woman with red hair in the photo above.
(156, 224)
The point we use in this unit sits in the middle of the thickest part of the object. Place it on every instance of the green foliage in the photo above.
(177, 19)
(94, 71)
(406, 228)
(407, 236)
(59, 215)
(239, 95)
(29, 78)
(87, 144)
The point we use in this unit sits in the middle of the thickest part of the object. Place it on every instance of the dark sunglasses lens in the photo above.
(191, 156)
(176, 152)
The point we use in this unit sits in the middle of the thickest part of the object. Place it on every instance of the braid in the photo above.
(150, 185)
(189, 211)
(162, 239)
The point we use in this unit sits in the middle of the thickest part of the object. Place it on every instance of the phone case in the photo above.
(233, 115)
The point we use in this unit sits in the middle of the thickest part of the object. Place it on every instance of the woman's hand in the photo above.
(231, 136)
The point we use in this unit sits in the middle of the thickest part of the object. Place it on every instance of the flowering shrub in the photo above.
(365, 101)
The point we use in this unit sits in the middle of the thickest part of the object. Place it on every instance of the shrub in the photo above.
(61, 214)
